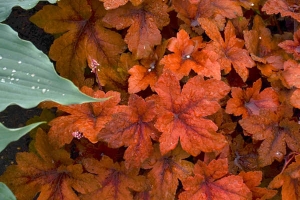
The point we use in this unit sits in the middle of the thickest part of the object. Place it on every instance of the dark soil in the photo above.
(15, 116)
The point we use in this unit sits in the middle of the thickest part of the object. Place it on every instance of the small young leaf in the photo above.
(9, 135)
(27, 77)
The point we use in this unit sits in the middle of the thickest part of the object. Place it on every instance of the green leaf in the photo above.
(27, 77)
(5, 193)
(9, 135)
(7, 5)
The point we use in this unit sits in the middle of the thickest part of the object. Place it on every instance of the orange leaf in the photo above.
(291, 74)
(251, 101)
(263, 48)
(215, 10)
(133, 127)
(212, 182)
(140, 78)
(165, 172)
(51, 172)
(290, 78)
(253, 179)
(187, 56)
(88, 118)
(147, 73)
(116, 181)
(276, 129)
(292, 47)
(289, 181)
(230, 50)
(144, 22)
(284, 7)
(83, 36)
(112, 4)
(182, 113)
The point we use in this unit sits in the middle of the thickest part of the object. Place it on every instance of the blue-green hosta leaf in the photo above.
(9, 135)
(27, 77)
(7, 5)
(5, 193)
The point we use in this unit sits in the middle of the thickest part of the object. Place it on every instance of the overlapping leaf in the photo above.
(290, 78)
(112, 4)
(263, 47)
(291, 46)
(253, 179)
(83, 36)
(251, 101)
(211, 182)
(182, 113)
(289, 181)
(51, 172)
(147, 73)
(191, 11)
(144, 22)
(276, 129)
(132, 127)
(230, 49)
(284, 7)
(166, 171)
(87, 119)
(116, 181)
(187, 56)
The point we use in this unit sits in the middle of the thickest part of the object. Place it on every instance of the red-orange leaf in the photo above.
(251, 101)
(289, 180)
(292, 47)
(284, 7)
(187, 56)
(276, 129)
(230, 49)
(253, 179)
(211, 182)
(132, 127)
(182, 113)
(290, 78)
(112, 4)
(147, 73)
(189, 11)
(83, 36)
(116, 181)
(51, 172)
(141, 78)
(144, 21)
(87, 119)
(166, 171)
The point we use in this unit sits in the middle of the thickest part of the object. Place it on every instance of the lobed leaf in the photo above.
(83, 37)
(132, 126)
(210, 182)
(144, 22)
(116, 181)
(51, 173)
(87, 119)
(181, 113)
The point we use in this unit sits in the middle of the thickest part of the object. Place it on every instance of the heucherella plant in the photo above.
(202, 100)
